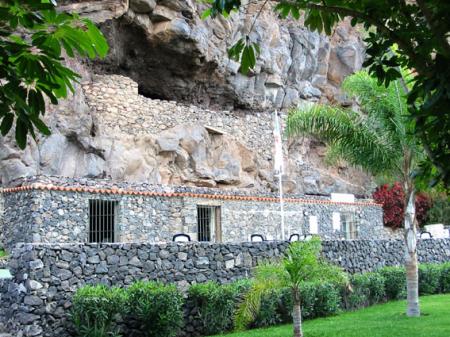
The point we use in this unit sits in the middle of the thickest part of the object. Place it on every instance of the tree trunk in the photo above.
(412, 268)
(297, 314)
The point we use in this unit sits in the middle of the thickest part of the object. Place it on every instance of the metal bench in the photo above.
(426, 235)
(294, 237)
(257, 238)
(181, 237)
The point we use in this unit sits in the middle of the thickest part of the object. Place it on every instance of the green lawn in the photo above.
(384, 320)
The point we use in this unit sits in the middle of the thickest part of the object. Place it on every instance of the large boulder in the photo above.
(142, 6)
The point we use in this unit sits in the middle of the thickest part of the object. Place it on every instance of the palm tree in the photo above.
(379, 139)
(302, 263)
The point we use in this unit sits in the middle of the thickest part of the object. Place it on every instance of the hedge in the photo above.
(94, 309)
(155, 309)
(215, 305)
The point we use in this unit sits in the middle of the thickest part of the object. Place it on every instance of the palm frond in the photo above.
(304, 264)
(267, 278)
(351, 135)
(387, 105)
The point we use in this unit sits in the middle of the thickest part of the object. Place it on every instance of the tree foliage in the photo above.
(378, 138)
(419, 32)
(34, 38)
(393, 200)
(440, 209)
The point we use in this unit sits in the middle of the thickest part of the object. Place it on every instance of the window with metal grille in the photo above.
(349, 225)
(207, 223)
(102, 220)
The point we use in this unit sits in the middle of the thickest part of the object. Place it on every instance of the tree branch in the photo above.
(257, 16)
(431, 24)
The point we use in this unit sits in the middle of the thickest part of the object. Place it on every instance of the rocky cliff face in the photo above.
(173, 54)
(108, 130)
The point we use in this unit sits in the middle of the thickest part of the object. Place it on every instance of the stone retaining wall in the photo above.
(121, 110)
(37, 301)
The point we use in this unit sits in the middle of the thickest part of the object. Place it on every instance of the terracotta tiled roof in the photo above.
(120, 191)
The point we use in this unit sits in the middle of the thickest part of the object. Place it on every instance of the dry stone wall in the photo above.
(236, 151)
(36, 302)
(121, 110)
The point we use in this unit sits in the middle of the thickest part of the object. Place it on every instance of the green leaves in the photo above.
(7, 123)
(21, 132)
(221, 7)
(31, 68)
(315, 19)
(206, 14)
(94, 309)
(245, 52)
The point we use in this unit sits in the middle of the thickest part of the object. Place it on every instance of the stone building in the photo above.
(57, 210)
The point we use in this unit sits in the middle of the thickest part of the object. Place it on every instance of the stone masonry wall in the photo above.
(55, 214)
(36, 302)
(121, 110)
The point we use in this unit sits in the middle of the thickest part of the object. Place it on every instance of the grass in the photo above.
(2, 253)
(383, 320)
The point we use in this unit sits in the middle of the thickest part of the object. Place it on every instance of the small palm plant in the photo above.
(302, 263)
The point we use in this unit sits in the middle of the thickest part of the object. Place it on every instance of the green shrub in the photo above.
(357, 295)
(444, 281)
(327, 300)
(94, 309)
(440, 211)
(429, 277)
(285, 305)
(377, 288)
(269, 313)
(3, 253)
(308, 298)
(215, 304)
(394, 282)
(317, 300)
(156, 308)
(366, 289)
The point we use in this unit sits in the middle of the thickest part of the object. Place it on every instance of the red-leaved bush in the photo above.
(423, 205)
(394, 204)
(393, 200)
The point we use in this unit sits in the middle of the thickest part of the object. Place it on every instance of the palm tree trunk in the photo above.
(412, 268)
(297, 313)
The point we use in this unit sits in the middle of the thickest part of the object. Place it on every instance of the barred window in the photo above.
(102, 220)
(349, 225)
(208, 223)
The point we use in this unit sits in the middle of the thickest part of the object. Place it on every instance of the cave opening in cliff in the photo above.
(166, 66)
(143, 91)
